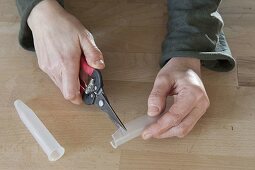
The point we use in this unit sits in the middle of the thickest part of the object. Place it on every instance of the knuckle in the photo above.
(69, 96)
(200, 96)
(86, 34)
(170, 119)
(162, 79)
(183, 131)
(206, 103)
(174, 122)
(154, 94)
(175, 119)
(94, 54)
(197, 93)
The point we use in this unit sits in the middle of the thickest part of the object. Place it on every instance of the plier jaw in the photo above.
(93, 93)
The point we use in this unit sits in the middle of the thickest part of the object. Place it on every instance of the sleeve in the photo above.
(195, 30)
(25, 34)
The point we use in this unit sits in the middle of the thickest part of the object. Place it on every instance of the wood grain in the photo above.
(129, 32)
(246, 74)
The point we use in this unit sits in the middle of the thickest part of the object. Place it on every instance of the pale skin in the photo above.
(60, 39)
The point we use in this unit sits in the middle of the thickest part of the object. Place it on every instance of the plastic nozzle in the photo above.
(134, 129)
(41, 134)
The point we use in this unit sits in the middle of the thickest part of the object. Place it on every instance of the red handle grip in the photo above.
(85, 70)
(85, 67)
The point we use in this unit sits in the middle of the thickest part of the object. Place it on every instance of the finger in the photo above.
(93, 55)
(185, 126)
(181, 108)
(158, 95)
(57, 81)
(70, 83)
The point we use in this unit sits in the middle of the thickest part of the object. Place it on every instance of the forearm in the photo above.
(195, 30)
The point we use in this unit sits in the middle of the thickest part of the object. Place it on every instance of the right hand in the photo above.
(60, 40)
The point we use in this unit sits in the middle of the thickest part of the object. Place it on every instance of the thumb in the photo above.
(158, 95)
(93, 55)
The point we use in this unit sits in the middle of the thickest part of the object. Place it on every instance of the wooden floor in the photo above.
(130, 33)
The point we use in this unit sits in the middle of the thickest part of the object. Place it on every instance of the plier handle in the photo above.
(93, 92)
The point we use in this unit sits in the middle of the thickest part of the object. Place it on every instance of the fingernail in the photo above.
(153, 110)
(100, 62)
(147, 136)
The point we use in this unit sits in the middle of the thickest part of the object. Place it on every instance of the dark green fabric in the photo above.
(25, 34)
(195, 30)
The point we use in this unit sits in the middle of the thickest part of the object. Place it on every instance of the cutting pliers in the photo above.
(93, 92)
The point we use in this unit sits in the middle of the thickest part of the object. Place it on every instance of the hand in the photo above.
(180, 78)
(59, 40)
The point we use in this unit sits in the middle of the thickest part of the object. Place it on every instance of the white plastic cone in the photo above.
(41, 134)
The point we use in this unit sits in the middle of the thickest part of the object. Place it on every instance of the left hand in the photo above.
(180, 78)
